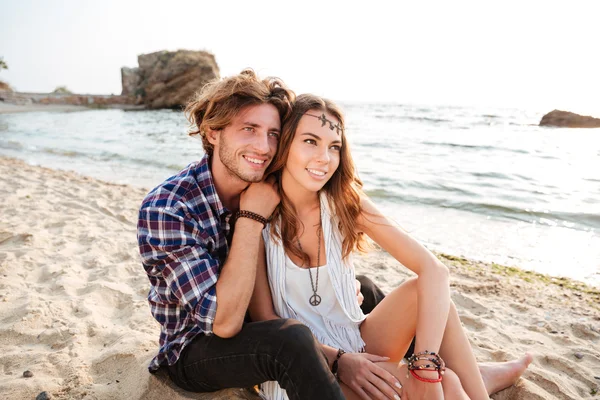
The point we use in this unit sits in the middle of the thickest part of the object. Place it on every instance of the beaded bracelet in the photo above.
(335, 365)
(251, 215)
(438, 365)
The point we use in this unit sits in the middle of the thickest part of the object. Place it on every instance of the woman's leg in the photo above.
(457, 353)
(389, 328)
(451, 385)
(496, 375)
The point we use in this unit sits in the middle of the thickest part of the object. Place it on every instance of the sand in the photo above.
(73, 305)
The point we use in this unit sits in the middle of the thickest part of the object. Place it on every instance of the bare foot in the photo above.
(500, 375)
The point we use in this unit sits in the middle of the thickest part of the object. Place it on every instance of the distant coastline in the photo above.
(14, 102)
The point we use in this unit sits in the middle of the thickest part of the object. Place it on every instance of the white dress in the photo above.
(336, 321)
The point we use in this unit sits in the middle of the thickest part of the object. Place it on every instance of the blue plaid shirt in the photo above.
(182, 236)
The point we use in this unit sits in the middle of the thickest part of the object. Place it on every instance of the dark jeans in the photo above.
(280, 350)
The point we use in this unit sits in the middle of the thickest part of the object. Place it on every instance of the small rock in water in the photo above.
(553, 331)
(597, 377)
(579, 355)
(28, 374)
(43, 396)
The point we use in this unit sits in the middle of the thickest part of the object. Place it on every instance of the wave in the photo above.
(474, 147)
(108, 156)
(526, 215)
(546, 217)
(411, 118)
(63, 153)
(11, 145)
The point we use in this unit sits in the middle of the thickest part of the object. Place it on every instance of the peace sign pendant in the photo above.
(315, 300)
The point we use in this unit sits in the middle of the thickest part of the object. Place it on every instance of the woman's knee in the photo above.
(410, 285)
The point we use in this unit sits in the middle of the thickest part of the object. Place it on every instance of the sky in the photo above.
(526, 54)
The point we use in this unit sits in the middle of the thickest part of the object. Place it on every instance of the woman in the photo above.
(307, 274)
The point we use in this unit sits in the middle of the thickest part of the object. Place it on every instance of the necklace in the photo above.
(315, 299)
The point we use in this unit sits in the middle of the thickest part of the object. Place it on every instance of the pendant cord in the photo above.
(315, 299)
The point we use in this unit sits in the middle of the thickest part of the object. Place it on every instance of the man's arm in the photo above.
(236, 282)
(238, 275)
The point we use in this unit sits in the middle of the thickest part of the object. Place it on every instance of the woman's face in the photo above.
(315, 151)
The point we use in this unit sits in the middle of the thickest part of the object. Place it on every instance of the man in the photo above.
(201, 261)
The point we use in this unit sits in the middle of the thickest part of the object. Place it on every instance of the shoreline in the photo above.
(82, 326)
(10, 108)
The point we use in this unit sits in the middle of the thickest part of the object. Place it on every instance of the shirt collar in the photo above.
(207, 186)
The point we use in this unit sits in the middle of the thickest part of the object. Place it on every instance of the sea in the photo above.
(484, 183)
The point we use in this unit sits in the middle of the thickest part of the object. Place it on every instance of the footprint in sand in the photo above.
(520, 307)
(466, 303)
(563, 366)
(547, 382)
(472, 323)
(10, 241)
(584, 332)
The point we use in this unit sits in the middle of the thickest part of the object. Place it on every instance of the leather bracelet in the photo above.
(251, 215)
(335, 366)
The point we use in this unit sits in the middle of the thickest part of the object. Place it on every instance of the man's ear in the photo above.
(212, 135)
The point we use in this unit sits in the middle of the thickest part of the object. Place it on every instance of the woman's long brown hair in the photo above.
(343, 190)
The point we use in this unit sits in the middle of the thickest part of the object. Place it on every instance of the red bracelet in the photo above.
(420, 378)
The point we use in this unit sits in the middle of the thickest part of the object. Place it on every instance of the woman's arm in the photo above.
(433, 289)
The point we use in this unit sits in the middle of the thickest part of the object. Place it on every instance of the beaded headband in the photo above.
(324, 120)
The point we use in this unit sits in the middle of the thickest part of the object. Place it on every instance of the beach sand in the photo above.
(73, 307)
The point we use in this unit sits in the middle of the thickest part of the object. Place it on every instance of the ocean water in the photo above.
(484, 183)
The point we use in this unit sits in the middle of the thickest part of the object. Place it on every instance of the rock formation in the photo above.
(5, 86)
(168, 79)
(569, 120)
(130, 81)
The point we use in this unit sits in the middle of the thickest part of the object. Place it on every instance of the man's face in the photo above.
(248, 144)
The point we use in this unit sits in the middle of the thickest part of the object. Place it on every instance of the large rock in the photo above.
(130, 80)
(5, 87)
(569, 120)
(168, 79)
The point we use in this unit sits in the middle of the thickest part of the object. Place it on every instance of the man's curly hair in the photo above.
(219, 101)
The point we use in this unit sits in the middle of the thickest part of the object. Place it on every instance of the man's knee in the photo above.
(296, 333)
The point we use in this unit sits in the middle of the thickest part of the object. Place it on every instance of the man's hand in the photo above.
(260, 198)
(367, 379)
(359, 295)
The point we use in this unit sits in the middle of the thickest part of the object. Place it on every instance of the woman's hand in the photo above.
(367, 379)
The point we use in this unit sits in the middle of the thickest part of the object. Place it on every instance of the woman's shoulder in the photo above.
(369, 214)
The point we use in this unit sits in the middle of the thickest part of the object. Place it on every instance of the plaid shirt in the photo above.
(182, 236)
